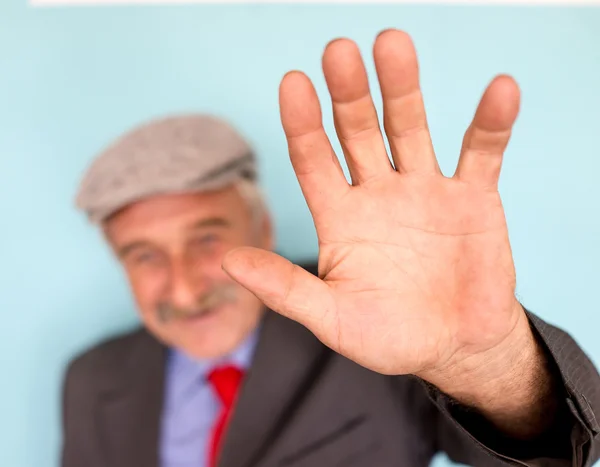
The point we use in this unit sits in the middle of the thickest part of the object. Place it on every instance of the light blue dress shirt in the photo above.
(190, 407)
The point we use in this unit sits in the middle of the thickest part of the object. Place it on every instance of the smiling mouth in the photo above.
(201, 313)
(206, 306)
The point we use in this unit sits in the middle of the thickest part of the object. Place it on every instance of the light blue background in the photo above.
(71, 79)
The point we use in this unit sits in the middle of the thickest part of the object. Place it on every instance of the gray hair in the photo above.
(254, 197)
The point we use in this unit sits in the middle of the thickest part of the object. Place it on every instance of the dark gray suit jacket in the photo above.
(302, 405)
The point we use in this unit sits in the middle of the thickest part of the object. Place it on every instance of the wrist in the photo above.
(511, 385)
(480, 379)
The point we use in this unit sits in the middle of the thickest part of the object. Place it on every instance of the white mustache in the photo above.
(217, 296)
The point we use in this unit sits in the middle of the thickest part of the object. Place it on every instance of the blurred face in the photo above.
(171, 247)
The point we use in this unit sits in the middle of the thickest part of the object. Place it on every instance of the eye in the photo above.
(206, 239)
(146, 257)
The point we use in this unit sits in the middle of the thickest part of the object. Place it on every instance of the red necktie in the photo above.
(225, 382)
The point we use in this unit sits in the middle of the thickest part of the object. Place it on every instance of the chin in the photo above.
(213, 346)
(213, 341)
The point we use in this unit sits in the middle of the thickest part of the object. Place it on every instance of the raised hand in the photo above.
(415, 268)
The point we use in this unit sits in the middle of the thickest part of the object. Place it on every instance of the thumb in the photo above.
(282, 286)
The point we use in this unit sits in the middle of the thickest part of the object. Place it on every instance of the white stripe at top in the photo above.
(410, 2)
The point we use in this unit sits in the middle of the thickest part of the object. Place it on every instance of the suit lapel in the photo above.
(286, 357)
(129, 411)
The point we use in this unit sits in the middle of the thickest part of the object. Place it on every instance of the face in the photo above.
(171, 247)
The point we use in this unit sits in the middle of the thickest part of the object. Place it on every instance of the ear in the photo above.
(267, 240)
(105, 232)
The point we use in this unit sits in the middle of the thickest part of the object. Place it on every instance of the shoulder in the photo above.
(101, 362)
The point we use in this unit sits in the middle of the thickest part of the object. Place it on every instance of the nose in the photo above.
(183, 291)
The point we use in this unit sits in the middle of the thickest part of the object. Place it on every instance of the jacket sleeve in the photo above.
(573, 441)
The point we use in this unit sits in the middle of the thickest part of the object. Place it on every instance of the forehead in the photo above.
(165, 214)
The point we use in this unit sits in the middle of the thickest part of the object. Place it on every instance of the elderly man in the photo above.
(408, 339)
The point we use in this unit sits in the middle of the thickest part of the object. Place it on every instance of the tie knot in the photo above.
(225, 381)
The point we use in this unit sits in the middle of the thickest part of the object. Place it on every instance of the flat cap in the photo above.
(177, 154)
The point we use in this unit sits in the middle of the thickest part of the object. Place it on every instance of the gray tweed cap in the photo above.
(177, 154)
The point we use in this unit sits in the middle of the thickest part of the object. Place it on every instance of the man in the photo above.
(407, 340)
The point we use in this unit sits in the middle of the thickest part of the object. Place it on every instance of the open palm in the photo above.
(415, 268)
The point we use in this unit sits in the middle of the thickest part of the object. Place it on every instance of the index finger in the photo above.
(317, 167)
